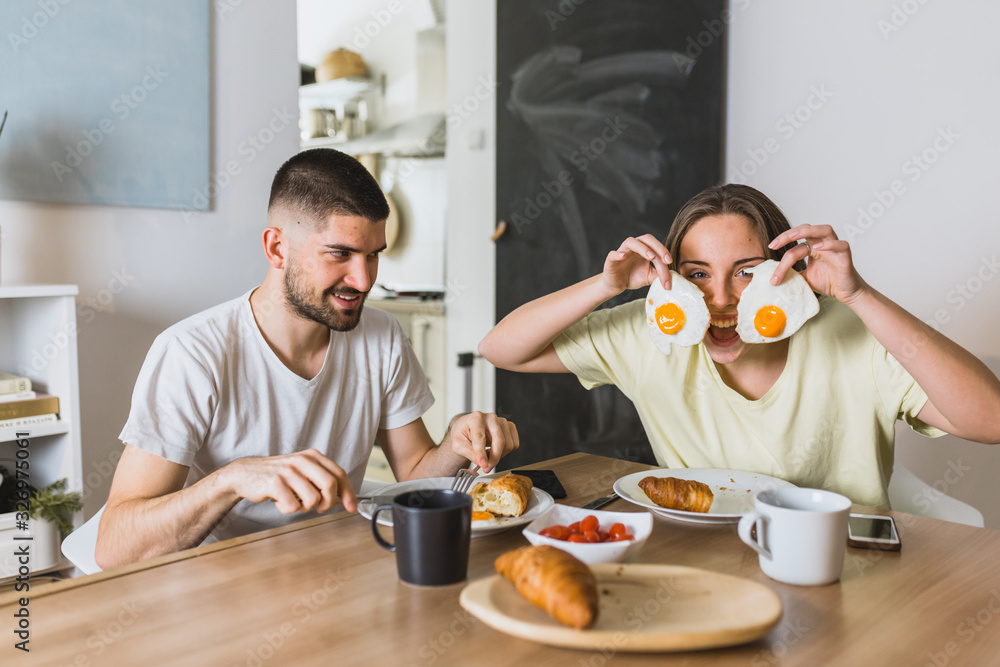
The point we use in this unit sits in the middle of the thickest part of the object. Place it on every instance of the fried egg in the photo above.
(768, 313)
(678, 315)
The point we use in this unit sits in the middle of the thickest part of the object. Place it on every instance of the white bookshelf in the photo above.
(38, 339)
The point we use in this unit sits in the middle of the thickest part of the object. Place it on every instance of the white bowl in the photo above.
(640, 524)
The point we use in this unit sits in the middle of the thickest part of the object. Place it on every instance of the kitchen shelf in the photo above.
(338, 91)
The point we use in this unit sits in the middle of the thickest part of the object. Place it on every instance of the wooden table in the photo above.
(322, 592)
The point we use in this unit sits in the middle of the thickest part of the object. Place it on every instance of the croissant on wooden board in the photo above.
(677, 494)
(554, 581)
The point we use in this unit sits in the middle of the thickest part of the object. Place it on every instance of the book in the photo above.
(28, 422)
(12, 384)
(30, 407)
(19, 396)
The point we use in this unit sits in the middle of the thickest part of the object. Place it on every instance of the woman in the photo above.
(818, 408)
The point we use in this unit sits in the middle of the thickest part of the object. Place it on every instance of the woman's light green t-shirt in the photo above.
(828, 422)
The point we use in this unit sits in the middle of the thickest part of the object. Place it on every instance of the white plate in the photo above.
(538, 505)
(733, 491)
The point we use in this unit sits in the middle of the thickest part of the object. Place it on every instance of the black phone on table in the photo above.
(545, 480)
(872, 531)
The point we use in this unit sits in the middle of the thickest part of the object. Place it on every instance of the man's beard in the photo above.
(322, 312)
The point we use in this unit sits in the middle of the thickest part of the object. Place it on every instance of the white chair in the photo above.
(908, 493)
(79, 545)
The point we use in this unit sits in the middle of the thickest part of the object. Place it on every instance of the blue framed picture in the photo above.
(107, 102)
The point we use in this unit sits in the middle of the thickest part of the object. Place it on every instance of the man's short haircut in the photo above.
(322, 182)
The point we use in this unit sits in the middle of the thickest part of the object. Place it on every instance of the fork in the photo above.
(463, 481)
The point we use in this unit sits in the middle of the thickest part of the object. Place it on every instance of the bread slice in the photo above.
(506, 496)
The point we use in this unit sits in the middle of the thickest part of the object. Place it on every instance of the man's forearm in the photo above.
(141, 528)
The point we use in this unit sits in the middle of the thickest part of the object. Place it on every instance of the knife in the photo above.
(601, 502)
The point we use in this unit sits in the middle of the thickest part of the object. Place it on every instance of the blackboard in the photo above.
(108, 102)
(609, 117)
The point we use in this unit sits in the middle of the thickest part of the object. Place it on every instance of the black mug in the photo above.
(432, 530)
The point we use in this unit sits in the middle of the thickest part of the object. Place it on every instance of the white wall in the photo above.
(140, 270)
(470, 296)
(890, 95)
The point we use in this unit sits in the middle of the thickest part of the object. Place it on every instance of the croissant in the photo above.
(678, 494)
(506, 496)
(554, 581)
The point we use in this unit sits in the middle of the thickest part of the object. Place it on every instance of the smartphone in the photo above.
(872, 531)
(545, 480)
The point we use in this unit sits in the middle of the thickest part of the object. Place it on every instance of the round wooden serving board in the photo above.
(643, 608)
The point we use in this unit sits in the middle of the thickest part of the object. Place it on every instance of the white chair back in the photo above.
(908, 493)
(79, 545)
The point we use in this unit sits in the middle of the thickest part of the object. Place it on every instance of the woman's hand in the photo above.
(636, 263)
(829, 269)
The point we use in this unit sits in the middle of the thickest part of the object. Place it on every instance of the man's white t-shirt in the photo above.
(211, 391)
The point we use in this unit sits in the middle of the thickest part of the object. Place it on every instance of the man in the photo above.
(263, 410)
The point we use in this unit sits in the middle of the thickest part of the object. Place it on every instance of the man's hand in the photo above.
(484, 439)
(297, 482)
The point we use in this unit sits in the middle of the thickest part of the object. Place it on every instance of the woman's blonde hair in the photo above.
(767, 219)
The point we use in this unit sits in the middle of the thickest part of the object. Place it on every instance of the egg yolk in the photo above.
(670, 318)
(769, 321)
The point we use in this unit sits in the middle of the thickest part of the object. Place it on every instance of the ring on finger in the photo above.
(809, 248)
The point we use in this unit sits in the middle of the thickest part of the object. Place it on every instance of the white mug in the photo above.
(801, 534)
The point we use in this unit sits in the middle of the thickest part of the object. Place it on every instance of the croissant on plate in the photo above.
(507, 496)
(678, 494)
(554, 581)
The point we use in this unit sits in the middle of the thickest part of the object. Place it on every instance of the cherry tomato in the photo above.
(589, 522)
(617, 529)
(555, 532)
(624, 537)
(592, 536)
(575, 527)
(605, 535)
(577, 537)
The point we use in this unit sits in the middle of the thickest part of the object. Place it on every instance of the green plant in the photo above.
(53, 503)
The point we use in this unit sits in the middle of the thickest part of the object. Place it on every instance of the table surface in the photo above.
(322, 592)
